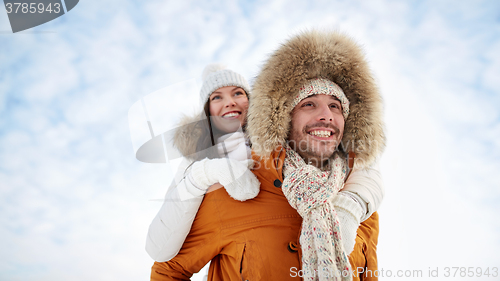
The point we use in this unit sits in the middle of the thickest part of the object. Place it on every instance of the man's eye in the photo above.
(308, 104)
(335, 105)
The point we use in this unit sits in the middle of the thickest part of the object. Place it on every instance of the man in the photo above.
(277, 115)
(313, 102)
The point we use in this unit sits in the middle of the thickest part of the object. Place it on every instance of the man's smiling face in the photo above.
(317, 128)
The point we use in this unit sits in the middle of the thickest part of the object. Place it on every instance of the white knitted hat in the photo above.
(216, 76)
(322, 86)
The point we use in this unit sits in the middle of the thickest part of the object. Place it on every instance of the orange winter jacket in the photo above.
(256, 239)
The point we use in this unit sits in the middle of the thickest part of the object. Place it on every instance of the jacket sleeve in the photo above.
(201, 245)
(171, 225)
(169, 228)
(366, 185)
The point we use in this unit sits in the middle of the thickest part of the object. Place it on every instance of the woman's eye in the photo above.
(238, 93)
(215, 97)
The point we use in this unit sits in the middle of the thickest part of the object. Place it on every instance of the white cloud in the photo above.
(73, 197)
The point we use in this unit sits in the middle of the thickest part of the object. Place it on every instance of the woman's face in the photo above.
(228, 108)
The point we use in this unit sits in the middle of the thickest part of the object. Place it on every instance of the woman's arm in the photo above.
(171, 225)
(357, 201)
(201, 245)
(366, 186)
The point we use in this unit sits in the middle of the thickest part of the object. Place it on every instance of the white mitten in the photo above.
(246, 186)
(349, 213)
(235, 176)
(234, 146)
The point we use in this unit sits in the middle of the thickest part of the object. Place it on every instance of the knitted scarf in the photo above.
(310, 191)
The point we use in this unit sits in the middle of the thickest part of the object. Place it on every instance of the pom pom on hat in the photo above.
(211, 68)
(216, 76)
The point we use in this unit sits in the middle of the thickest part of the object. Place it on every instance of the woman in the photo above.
(216, 155)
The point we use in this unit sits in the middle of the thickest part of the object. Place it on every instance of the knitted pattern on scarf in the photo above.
(310, 191)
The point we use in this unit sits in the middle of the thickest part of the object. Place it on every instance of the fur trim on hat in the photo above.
(312, 54)
(187, 134)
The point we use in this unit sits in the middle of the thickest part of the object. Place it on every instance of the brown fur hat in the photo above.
(312, 54)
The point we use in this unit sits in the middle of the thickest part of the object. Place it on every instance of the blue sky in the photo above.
(75, 204)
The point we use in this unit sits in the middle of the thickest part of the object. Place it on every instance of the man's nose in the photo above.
(324, 113)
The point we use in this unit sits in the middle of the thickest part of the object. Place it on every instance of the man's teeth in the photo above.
(323, 134)
(232, 114)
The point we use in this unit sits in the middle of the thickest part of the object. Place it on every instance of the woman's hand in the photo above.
(235, 176)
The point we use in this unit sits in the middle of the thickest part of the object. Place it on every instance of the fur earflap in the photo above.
(312, 54)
